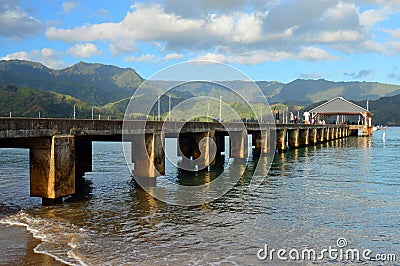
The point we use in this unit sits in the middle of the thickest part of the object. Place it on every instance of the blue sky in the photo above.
(278, 40)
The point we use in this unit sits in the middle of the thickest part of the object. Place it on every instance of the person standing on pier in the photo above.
(306, 117)
(291, 118)
(276, 113)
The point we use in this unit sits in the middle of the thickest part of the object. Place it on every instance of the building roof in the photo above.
(339, 106)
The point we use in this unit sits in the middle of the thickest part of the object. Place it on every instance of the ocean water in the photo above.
(347, 190)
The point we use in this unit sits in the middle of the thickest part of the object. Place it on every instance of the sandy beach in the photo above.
(18, 244)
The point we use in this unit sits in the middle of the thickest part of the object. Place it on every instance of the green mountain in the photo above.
(312, 91)
(297, 92)
(385, 111)
(95, 84)
(27, 102)
(99, 84)
(28, 87)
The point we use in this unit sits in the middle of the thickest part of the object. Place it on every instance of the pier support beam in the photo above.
(199, 149)
(327, 134)
(281, 139)
(52, 168)
(304, 137)
(293, 135)
(320, 135)
(261, 141)
(238, 144)
(332, 132)
(149, 156)
(312, 136)
(204, 149)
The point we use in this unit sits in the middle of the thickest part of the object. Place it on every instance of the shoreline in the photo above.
(18, 243)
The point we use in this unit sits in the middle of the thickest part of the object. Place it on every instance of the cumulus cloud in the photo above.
(250, 32)
(15, 23)
(84, 50)
(46, 56)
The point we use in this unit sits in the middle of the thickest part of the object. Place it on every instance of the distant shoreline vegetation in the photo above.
(27, 88)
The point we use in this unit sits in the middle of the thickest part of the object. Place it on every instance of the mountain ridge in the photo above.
(96, 84)
(110, 87)
(99, 84)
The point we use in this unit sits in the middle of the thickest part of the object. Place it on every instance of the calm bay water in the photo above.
(348, 189)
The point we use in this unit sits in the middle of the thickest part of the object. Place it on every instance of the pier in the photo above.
(60, 150)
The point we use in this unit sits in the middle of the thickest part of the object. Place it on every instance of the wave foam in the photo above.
(59, 239)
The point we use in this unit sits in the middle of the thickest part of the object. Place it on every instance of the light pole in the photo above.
(158, 111)
(169, 107)
(208, 110)
(220, 108)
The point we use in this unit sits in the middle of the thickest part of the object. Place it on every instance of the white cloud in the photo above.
(173, 56)
(68, 6)
(338, 36)
(220, 25)
(260, 56)
(372, 16)
(143, 58)
(84, 50)
(266, 31)
(395, 33)
(46, 56)
(22, 55)
(248, 29)
(315, 54)
(394, 41)
(151, 58)
(15, 23)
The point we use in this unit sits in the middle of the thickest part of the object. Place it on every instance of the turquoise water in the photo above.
(313, 196)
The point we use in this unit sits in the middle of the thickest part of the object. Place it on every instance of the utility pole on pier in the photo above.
(169, 107)
(208, 110)
(158, 111)
(220, 108)
(74, 112)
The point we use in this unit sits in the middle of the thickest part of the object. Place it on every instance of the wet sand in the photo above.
(18, 244)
